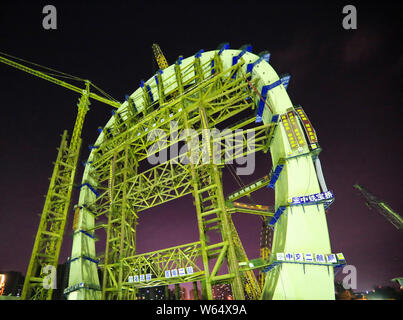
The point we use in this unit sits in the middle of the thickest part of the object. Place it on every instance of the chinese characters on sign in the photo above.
(331, 258)
(299, 257)
(311, 198)
(310, 257)
(168, 274)
(280, 256)
(289, 257)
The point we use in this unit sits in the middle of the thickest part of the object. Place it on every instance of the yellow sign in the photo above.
(290, 134)
(298, 134)
(76, 217)
(310, 131)
(340, 256)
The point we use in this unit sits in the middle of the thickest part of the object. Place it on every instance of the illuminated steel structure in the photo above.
(193, 97)
(249, 281)
(382, 207)
(50, 233)
(199, 93)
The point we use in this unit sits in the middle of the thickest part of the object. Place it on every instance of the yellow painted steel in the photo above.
(159, 56)
(57, 81)
(50, 233)
(199, 93)
(222, 90)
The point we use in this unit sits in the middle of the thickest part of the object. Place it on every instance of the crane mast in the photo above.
(39, 280)
(159, 57)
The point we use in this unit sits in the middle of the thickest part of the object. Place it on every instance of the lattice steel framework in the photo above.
(192, 104)
(189, 104)
(213, 97)
(50, 233)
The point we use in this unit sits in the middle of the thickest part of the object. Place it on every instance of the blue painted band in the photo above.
(277, 215)
(91, 188)
(199, 53)
(150, 93)
(224, 47)
(87, 234)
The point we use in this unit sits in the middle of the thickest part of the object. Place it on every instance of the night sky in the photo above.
(348, 81)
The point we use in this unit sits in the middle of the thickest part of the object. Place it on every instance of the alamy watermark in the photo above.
(350, 280)
(350, 20)
(49, 21)
(209, 146)
(50, 280)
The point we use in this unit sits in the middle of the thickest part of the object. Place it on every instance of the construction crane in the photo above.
(382, 207)
(52, 224)
(48, 76)
(159, 57)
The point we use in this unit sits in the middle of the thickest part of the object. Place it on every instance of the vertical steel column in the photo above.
(120, 230)
(202, 235)
(106, 272)
(232, 261)
(195, 291)
(123, 223)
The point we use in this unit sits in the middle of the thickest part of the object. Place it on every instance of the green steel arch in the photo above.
(199, 92)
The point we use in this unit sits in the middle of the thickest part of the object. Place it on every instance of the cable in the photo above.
(103, 92)
(256, 91)
(59, 74)
(282, 283)
(66, 75)
(235, 176)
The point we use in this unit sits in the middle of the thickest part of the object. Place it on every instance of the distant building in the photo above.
(184, 293)
(350, 295)
(222, 292)
(12, 283)
(152, 293)
(192, 295)
(385, 293)
(62, 281)
(169, 294)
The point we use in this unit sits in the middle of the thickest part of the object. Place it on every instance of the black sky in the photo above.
(348, 81)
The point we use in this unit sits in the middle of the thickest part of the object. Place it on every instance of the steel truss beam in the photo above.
(171, 179)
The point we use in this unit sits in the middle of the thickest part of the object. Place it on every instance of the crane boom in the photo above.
(64, 84)
(382, 207)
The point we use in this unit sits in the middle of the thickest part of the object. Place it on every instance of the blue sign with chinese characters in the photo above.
(317, 197)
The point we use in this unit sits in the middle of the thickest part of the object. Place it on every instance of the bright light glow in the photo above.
(2, 283)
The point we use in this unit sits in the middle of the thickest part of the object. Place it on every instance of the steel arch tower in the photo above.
(189, 102)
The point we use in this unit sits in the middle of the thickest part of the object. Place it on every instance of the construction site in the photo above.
(188, 141)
